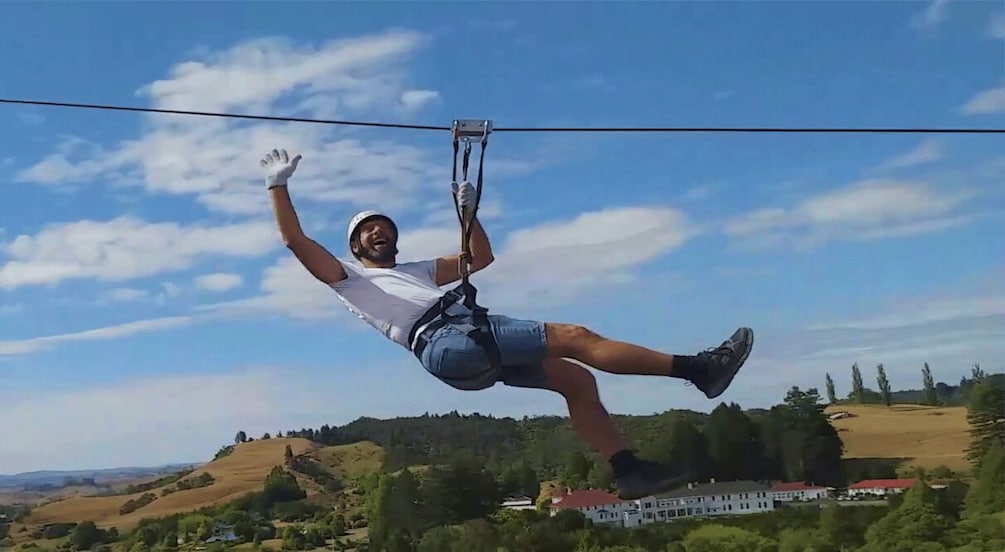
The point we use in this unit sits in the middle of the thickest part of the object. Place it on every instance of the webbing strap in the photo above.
(481, 333)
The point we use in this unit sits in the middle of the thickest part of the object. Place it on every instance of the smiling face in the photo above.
(376, 241)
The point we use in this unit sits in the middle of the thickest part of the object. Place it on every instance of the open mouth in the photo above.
(379, 242)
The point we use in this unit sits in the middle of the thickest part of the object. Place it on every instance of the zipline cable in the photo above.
(874, 130)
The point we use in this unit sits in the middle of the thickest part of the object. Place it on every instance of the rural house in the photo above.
(787, 492)
(599, 506)
(879, 487)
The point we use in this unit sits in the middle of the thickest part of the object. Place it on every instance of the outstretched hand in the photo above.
(279, 167)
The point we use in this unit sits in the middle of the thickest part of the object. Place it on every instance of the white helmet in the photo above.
(361, 216)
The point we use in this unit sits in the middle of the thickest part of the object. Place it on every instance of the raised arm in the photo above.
(315, 258)
(448, 269)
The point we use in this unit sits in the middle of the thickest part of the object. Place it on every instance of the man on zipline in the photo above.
(401, 300)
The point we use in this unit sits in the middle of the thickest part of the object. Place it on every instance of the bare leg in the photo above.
(635, 477)
(615, 357)
(711, 371)
(589, 417)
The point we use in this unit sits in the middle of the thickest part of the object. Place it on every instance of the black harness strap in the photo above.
(482, 332)
(478, 329)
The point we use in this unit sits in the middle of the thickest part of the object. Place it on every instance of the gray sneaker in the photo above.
(723, 362)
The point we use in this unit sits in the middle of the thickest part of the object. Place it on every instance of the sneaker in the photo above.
(723, 362)
(648, 478)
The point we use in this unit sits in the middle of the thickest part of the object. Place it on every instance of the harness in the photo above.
(473, 320)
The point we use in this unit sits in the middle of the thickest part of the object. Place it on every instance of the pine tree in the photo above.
(883, 383)
(831, 396)
(857, 388)
(931, 398)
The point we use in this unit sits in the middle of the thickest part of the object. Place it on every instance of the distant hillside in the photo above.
(242, 470)
(41, 480)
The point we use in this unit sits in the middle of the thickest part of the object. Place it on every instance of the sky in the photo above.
(148, 310)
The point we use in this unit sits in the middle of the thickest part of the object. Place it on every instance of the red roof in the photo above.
(882, 484)
(796, 486)
(587, 498)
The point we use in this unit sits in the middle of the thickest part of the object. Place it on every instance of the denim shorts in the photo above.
(455, 359)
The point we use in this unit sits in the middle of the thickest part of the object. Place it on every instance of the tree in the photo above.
(914, 522)
(857, 388)
(734, 444)
(241, 437)
(985, 416)
(883, 383)
(931, 397)
(831, 395)
(266, 436)
(85, 535)
(987, 494)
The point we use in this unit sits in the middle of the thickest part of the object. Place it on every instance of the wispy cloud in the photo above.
(216, 160)
(931, 16)
(218, 281)
(124, 248)
(926, 152)
(556, 262)
(26, 346)
(865, 210)
(987, 102)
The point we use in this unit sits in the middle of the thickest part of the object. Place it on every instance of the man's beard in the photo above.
(380, 254)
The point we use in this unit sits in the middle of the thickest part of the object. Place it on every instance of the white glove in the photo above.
(278, 168)
(465, 194)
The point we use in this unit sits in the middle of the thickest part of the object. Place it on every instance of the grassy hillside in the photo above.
(240, 472)
(918, 435)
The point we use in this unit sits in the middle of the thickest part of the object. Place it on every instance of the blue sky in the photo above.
(148, 310)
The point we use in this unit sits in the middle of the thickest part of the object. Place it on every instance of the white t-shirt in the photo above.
(390, 299)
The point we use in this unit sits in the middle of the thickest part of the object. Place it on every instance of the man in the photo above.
(392, 297)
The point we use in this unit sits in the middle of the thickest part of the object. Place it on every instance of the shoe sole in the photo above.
(666, 485)
(746, 335)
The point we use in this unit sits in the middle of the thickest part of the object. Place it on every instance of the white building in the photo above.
(726, 498)
(879, 487)
(519, 503)
(696, 500)
(787, 492)
(598, 506)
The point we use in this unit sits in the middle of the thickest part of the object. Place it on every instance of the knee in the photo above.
(571, 380)
(568, 340)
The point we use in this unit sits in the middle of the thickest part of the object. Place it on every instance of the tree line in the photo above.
(930, 394)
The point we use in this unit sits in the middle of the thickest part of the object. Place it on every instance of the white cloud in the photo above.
(561, 261)
(865, 210)
(124, 295)
(928, 151)
(124, 248)
(216, 160)
(413, 99)
(219, 281)
(26, 346)
(554, 263)
(986, 102)
(996, 26)
(931, 16)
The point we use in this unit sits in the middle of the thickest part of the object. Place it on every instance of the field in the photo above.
(919, 435)
(242, 471)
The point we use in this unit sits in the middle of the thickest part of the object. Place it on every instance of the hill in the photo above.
(909, 435)
(241, 471)
(42, 480)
